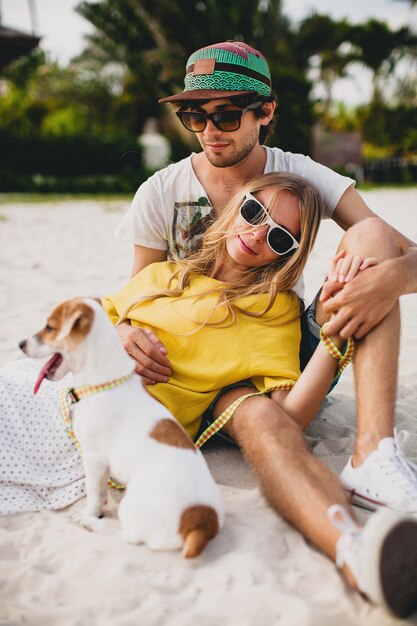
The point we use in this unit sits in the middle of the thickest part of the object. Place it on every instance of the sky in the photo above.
(62, 29)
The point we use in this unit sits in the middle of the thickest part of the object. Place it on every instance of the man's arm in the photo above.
(368, 298)
(142, 344)
(352, 208)
(142, 257)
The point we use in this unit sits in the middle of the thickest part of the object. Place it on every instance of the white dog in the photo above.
(171, 499)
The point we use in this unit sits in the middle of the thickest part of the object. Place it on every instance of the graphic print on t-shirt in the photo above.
(191, 220)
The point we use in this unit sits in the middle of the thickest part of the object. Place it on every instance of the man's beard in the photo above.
(233, 159)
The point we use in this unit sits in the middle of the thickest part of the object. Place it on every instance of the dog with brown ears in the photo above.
(171, 500)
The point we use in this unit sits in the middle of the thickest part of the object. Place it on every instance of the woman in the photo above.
(226, 314)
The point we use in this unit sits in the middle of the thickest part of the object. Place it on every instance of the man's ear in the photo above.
(267, 110)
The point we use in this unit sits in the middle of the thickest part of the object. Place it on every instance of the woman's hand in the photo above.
(357, 303)
(344, 267)
(363, 302)
(148, 351)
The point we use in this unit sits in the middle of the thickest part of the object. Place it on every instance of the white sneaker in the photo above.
(385, 478)
(382, 557)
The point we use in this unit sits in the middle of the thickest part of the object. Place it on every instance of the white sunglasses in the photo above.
(278, 238)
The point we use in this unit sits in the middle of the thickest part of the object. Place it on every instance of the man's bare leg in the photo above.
(376, 371)
(376, 356)
(304, 492)
(297, 484)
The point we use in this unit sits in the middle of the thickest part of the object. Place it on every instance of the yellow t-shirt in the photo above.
(264, 349)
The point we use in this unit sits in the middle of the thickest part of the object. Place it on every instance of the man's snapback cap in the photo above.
(223, 70)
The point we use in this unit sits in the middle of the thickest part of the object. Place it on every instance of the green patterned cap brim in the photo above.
(222, 70)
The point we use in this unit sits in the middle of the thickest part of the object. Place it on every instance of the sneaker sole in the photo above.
(368, 504)
(364, 503)
(390, 558)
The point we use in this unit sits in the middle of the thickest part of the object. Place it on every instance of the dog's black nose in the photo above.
(22, 344)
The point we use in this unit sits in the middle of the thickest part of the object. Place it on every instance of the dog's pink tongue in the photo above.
(45, 370)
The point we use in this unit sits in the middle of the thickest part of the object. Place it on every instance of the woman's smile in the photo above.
(245, 246)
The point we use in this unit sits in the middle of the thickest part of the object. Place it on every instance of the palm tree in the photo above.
(322, 41)
(153, 39)
(379, 49)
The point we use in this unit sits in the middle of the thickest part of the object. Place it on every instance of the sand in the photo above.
(258, 571)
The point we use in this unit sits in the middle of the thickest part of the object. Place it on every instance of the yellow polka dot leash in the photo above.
(71, 395)
(230, 411)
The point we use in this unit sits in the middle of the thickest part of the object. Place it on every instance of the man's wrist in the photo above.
(403, 270)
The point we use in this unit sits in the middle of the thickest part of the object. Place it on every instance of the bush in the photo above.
(398, 170)
(69, 163)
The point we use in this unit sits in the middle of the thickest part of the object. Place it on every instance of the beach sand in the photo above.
(259, 571)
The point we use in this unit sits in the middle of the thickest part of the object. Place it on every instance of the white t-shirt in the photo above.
(171, 210)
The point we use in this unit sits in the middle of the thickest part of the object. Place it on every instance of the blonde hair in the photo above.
(279, 275)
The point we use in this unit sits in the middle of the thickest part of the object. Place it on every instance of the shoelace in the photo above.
(400, 468)
(401, 437)
(346, 548)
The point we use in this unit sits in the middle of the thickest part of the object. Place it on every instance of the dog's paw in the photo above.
(90, 522)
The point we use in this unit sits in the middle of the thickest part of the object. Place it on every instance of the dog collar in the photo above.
(72, 395)
(78, 393)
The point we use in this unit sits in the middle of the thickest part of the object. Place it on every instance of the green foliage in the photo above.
(339, 118)
(319, 42)
(69, 163)
(154, 38)
(319, 34)
(43, 97)
(96, 107)
(294, 112)
(63, 122)
(379, 49)
(384, 126)
(22, 71)
(387, 127)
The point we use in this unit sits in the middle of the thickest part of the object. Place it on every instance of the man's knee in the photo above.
(259, 418)
(370, 237)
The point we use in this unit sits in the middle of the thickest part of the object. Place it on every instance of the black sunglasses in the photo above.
(278, 238)
(227, 121)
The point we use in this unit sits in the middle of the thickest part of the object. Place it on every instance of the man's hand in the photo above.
(148, 352)
(361, 303)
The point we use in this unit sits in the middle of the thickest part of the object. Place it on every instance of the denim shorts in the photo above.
(310, 333)
(310, 339)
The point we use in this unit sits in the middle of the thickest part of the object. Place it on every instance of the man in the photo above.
(227, 101)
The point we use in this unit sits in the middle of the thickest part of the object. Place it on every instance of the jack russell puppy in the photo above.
(171, 499)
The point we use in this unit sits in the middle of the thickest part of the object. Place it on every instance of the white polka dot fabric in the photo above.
(40, 467)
